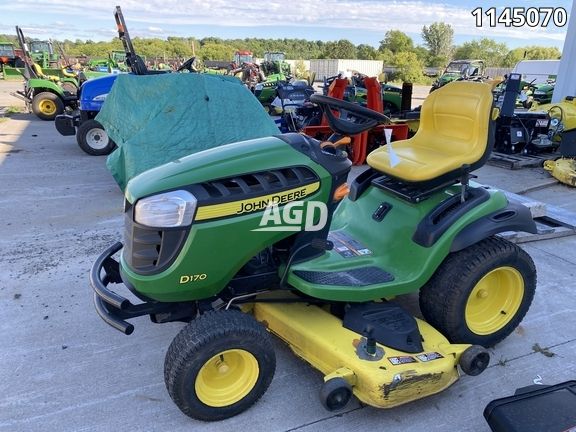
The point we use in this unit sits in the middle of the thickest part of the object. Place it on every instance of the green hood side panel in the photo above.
(391, 245)
(216, 248)
(156, 119)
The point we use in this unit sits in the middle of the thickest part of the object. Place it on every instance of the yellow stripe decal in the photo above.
(254, 204)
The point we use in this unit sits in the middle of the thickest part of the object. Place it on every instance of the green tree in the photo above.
(386, 56)
(396, 41)
(409, 67)
(422, 54)
(342, 49)
(492, 52)
(366, 52)
(301, 72)
(438, 38)
(216, 51)
(178, 47)
(531, 53)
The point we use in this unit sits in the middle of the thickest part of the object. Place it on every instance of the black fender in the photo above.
(513, 217)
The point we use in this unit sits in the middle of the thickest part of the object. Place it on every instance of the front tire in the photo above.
(93, 139)
(219, 365)
(47, 106)
(480, 294)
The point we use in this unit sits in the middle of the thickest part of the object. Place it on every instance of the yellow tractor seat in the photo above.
(455, 136)
(41, 74)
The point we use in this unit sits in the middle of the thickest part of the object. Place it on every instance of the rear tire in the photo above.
(480, 294)
(47, 105)
(219, 365)
(93, 139)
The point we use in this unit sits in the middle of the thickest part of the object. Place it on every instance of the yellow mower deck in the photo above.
(563, 170)
(394, 379)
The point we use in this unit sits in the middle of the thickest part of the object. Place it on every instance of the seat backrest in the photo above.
(456, 119)
(38, 70)
(374, 94)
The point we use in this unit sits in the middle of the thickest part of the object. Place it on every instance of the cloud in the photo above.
(162, 16)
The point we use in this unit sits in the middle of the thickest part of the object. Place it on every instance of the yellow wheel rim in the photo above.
(47, 107)
(494, 301)
(227, 378)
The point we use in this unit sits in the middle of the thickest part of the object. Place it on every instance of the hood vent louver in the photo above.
(257, 183)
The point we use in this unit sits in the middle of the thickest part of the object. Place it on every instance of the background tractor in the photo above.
(459, 70)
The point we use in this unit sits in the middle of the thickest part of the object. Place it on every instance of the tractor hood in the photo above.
(544, 88)
(252, 156)
(448, 77)
(94, 92)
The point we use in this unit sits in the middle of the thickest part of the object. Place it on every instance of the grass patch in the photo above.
(7, 112)
(13, 110)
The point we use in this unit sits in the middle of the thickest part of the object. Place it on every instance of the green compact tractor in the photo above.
(265, 237)
(45, 95)
(42, 53)
(116, 61)
(275, 63)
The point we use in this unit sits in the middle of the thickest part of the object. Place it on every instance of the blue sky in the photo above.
(361, 21)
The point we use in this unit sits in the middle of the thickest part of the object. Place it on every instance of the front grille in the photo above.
(151, 250)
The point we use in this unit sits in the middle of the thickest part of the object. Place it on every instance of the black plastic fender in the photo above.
(513, 217)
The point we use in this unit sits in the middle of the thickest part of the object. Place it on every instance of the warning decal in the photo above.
(346, 246)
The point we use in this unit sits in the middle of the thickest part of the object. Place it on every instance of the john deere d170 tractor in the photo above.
(265, 237)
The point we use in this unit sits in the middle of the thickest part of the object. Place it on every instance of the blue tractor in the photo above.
(90, 135)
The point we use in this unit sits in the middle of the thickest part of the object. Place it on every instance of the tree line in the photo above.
(396, 49)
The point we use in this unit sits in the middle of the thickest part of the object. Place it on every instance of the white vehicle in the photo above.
(537, 71)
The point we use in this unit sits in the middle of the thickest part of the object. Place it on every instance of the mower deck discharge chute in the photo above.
(265, 234)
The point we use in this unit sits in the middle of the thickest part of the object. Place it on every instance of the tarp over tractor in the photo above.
(156, 119)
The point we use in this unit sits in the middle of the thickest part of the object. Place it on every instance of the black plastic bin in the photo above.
(536, 408)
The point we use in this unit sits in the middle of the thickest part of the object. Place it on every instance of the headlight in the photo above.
(167, 210)
(538, 92)
(101, 97)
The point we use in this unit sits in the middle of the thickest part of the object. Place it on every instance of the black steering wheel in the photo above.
(364, 118)
(189, 65)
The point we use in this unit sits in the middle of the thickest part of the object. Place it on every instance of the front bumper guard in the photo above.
(111, 307)
(66, 124)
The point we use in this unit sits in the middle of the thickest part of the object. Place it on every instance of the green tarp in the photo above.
(156, 119)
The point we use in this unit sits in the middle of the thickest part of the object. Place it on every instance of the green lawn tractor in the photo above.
(264, 237)
(458, 70)
(540, 93)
